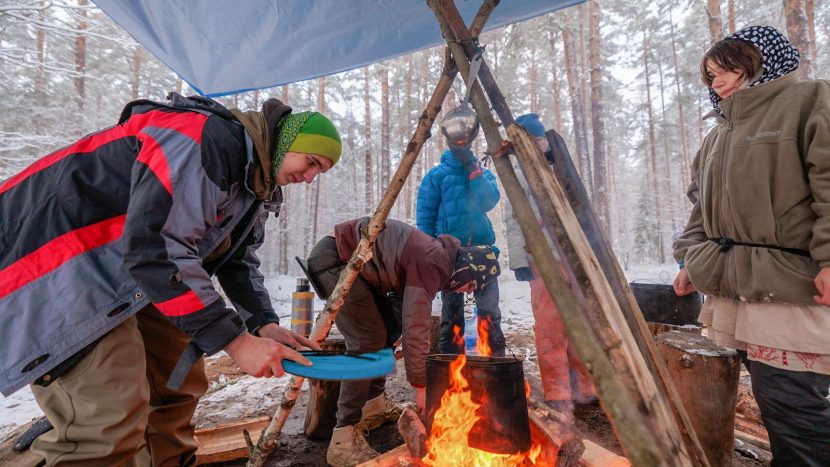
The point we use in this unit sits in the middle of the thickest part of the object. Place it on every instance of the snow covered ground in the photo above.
(239, 396)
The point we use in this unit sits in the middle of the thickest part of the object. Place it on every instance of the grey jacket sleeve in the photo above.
(243, 282)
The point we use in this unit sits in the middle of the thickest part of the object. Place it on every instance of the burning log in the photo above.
(393, 458)
(413, 432)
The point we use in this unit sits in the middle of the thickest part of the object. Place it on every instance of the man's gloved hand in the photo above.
(466, 158)
(524, 274)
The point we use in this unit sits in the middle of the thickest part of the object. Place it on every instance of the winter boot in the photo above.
(380, 410)
(348, 446)
(564, 410)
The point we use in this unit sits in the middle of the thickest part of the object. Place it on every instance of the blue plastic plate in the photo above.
(336, 366)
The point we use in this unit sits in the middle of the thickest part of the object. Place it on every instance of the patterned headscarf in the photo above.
(779, 56)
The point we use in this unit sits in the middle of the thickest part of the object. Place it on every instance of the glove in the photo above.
(524, 274)
(466, 158)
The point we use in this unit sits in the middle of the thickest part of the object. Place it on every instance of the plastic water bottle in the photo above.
(301, 308)
(471, 329)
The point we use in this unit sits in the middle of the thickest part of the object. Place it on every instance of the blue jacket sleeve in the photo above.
(485, 191)
(426, 211)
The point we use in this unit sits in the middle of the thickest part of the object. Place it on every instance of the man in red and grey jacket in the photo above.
(390, 299)
(107, 248)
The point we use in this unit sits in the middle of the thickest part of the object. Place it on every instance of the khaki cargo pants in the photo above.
(113, 408)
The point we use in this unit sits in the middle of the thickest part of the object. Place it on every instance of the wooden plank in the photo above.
(226, 442)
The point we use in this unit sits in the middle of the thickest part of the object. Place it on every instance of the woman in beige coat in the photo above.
(757, 242)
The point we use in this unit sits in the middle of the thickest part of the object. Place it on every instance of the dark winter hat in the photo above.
(531, 123)
(475, 263)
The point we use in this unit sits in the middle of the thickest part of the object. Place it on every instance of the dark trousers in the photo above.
(366, 321)
(795, 412)
(452, 314)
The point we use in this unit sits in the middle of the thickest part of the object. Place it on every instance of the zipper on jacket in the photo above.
(726, 200)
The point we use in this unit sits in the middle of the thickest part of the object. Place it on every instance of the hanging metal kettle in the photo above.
(460, 126)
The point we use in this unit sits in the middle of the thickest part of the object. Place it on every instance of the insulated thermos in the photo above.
(302, 301)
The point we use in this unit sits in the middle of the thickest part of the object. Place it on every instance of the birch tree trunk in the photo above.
(384, 128)
(534, 82)
(600, 181)
(715, 21)
(574, 88)
(810, 10)
(667, 184)
(369, 200)
(314, 211)
(652, 154)
(556, 82)
(685, 165)
(730, 13)
(80, 54)
(406, 122)
(283, 230)
(136, 71)
(796, 14)
(40, 47)
(583, 81)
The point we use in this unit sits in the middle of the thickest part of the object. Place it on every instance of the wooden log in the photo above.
(413, 432)
(560, 434)
(320, 416)
(226, 442)
(706, 378)
(389, 458)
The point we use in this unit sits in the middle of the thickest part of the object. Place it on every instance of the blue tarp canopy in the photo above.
(228, 46)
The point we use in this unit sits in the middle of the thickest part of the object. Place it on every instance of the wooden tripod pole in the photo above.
(640, 412)
(363, 253)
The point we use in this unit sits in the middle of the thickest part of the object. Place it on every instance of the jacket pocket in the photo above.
(706, 265)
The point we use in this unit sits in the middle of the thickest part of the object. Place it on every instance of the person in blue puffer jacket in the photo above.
(454, 198)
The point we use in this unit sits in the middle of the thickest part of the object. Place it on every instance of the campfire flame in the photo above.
(484, 337)
(447, 444)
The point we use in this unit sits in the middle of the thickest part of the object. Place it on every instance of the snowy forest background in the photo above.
(618, 79)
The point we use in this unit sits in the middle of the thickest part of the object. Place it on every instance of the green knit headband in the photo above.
(307, 132)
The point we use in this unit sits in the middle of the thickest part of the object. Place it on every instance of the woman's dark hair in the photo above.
(732, 54)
